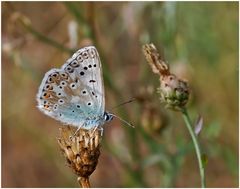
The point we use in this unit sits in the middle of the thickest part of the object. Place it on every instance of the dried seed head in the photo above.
(174, 92)
(81, 150)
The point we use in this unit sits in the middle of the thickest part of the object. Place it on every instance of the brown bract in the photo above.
(82, 150)
(154, 59)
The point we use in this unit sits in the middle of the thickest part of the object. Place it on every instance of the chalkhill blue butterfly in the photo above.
(74, 94)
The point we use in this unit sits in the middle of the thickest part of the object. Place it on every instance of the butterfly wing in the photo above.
(74, 93)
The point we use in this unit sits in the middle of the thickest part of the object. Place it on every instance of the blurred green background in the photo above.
(199, 41)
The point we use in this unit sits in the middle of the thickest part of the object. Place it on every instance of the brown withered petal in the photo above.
(154, 59)
(82, 150)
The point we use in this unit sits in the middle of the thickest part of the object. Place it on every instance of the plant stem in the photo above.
(196, 145)
(84, 182)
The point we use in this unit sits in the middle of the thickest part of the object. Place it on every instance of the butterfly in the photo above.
(74, 94)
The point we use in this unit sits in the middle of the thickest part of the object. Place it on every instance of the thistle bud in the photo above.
(82, 150)
(173, 92)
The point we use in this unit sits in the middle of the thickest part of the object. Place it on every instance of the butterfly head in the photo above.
(107, 116)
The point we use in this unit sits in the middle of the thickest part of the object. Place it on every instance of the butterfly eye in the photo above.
(106, 117)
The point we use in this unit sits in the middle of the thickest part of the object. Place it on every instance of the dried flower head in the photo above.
(82, 150)
(174, 92)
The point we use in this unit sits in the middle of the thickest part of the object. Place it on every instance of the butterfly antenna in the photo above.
(124, 121)
(129, 101)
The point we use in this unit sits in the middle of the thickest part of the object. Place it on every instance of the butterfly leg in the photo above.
(95, 128)
(77, 130)
(101, 129)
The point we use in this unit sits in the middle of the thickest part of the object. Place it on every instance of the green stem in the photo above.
(196, 145)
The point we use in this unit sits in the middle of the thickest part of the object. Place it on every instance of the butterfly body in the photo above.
(74, 94)
(93, 122)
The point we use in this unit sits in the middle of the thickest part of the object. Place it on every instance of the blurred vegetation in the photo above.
(198, 39)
